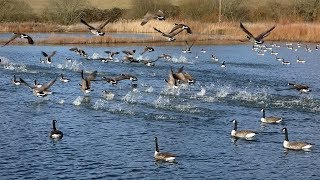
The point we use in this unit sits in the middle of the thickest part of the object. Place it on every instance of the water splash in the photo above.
(161, 102)
(182, 59)
(202, 91)
(132, 96)
(149, 89)
(71, 65)
(95, 56)
(99, 104)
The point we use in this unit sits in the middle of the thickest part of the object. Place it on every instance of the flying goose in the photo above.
(114, 80)
(188, 47)
(270, 119)
(258, 39)
(159, 15)
(299, 87)
(169, 36)
(182, 76)
(63, 78)
(245, 134)
(147, 49)
(19, 35)
(79, 51)
(15, 81)
(48, 57)
(96, 31)
(42, 90)
(129, 53)
(110, 57)
(86, 81)
(36, 84)
(162, 156)
(165, 56)
(55, 133)
(172, 82)
(181, 26)
(294, 145)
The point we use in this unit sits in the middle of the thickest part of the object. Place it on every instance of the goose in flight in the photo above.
(258, 39)
(20, 35)
(96, 31)
(41, 91)
(158, 15)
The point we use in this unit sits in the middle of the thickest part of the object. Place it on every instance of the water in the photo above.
(112, 138)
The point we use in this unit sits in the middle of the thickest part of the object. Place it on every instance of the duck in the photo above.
(15, 81)
(244, 134)
(48, 57)
(294, 145)
(258, 39)
(55, 133)
(96, 31)
(159, 15)
(163, 156)
(63, 78)
(19, 35)
(271, 119)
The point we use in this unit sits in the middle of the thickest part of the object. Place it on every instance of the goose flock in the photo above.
(174, 79)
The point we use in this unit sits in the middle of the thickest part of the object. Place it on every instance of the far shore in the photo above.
(203, 33)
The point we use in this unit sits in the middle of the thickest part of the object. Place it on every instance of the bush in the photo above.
(16, 11)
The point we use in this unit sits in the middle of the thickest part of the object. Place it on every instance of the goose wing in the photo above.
(12, 38)
(85, 23)
(52, 54)
(177, 26)
(266, 33)
(30, 40)
(27, 84)
(163, 34)
(245, 30)
(148, 17)
(175, 32)
(92, 76)
(104, 24)
(46, 86)
(44, 54)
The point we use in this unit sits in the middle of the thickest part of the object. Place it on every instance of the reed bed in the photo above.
(211, 32)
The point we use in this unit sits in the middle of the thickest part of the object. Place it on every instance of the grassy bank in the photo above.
(224, 32)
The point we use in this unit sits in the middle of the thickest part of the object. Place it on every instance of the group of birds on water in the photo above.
(175, 78)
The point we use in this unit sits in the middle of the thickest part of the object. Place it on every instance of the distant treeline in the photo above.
(69, 11)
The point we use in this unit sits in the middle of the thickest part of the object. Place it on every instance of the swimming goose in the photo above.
(15, 81)
(258, 39)
(55, 133)
(147, 49)
(96, 31)
(85, 85)
(159, 15)
(300, 87)
(63, 79)
(48, 57)
(300, 60)
(170, 36)
(214, 58)
(285, 62)
(41, 91)
(162, 156)
(223, 65)
(274, 53)
(19, 35)
(203, 51)
(279, 59)
(294, 145)
(245, 134)
(271, 119)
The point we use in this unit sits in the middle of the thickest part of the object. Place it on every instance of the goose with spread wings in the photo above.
(20, 35)
(41, 91)
(96, 31)
(158, 15)
(258, 39)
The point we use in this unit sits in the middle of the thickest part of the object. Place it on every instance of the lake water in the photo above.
(114, 138)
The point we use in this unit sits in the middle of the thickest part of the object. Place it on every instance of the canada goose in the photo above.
(307, 48)
(274, 53)
(79, 51)
(258, 39)
(40, 91)
(182, 76)
(130, 59)
(19, 35)
(188, 47)
(300, 87)
(171, 35)
(86, 81)
(96, 31)
(214, 58)
(203, 51)
(285, 62)
(162, 156)
(147, 49)
(114, 80)
(36, 84)
(279, 59)
(110, 57)
(48, 57)
(271, 119)
(294, 145)
(172, 82)
(181, 26)
(223, 65)
(317, 47)
(300, 60)
(149, 62)
(165, 56)
(55, 133)
(63, 79)
(15, 81)
(129, 53)
(158, 15)
(245, 134)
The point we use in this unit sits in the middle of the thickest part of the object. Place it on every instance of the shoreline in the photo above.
(204, 33)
